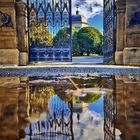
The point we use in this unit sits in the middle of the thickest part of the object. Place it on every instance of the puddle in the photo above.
(70, 108)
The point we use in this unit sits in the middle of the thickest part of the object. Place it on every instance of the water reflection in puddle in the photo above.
(70, 108)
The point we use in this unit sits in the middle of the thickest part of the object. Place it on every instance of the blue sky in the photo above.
(92, 10)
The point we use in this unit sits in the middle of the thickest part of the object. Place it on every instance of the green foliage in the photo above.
(40, 34)
(39, 98)
(85, 41)
(90, 97)
(90, 40)
(75, 45)
(62, 38)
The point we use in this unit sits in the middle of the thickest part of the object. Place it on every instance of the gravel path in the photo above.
(64, 69)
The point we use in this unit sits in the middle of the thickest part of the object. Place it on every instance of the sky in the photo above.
(92, 10)
(88, 8)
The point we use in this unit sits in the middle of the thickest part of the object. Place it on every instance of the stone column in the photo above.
(120, 31)
(21, 20)
(9, 53)
(132, 49)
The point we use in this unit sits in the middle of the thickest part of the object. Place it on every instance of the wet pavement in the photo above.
(66, 68)
(70, 108)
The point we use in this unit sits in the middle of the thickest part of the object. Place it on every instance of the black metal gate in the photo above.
(109, 31)
(50, 37)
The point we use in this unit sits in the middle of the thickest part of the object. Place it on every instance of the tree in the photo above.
(40, 35)
(62, 38)
(75, 45)
(86, 40)
(90, 40)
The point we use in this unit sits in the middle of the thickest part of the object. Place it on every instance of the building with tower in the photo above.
(79, 21)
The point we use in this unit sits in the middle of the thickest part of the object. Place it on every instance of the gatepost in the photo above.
(9, 53)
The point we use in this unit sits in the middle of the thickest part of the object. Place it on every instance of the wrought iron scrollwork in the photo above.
(135, 20)
(5, 20)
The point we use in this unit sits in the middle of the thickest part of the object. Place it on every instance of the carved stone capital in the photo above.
(21, 8)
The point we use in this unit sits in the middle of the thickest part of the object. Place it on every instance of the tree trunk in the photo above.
(88, 53)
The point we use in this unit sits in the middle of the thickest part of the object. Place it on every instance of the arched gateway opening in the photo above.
(49, 20)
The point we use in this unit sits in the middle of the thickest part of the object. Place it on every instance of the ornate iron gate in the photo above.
(50, 36)
(109, 31)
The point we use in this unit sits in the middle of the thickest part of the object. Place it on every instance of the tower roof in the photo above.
(79, 18)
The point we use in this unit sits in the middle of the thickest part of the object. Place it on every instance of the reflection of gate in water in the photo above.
(109, 117)
(49, 30)
(57, 121)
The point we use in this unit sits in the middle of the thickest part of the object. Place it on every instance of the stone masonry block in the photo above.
(132, 56)
(23, 58)
(9, 57)
(119, 57)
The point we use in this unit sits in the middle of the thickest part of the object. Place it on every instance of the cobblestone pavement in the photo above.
(66, 69)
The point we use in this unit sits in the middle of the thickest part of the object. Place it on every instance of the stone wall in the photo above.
(13, 43)
(14, 107)
(132, 49)
(8, 42)
(128, 32)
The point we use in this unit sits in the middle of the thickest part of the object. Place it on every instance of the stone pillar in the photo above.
(21, 20)
(132, 49)
(9, 53)
(120, 31)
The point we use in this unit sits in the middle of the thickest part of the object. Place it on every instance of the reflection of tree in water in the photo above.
(90, 97)
(39, 97)
(88, 82)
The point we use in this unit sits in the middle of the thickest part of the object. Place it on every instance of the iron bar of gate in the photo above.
(70, 23)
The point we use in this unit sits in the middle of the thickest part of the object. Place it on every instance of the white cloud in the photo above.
(88, 8)
(90, 126)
